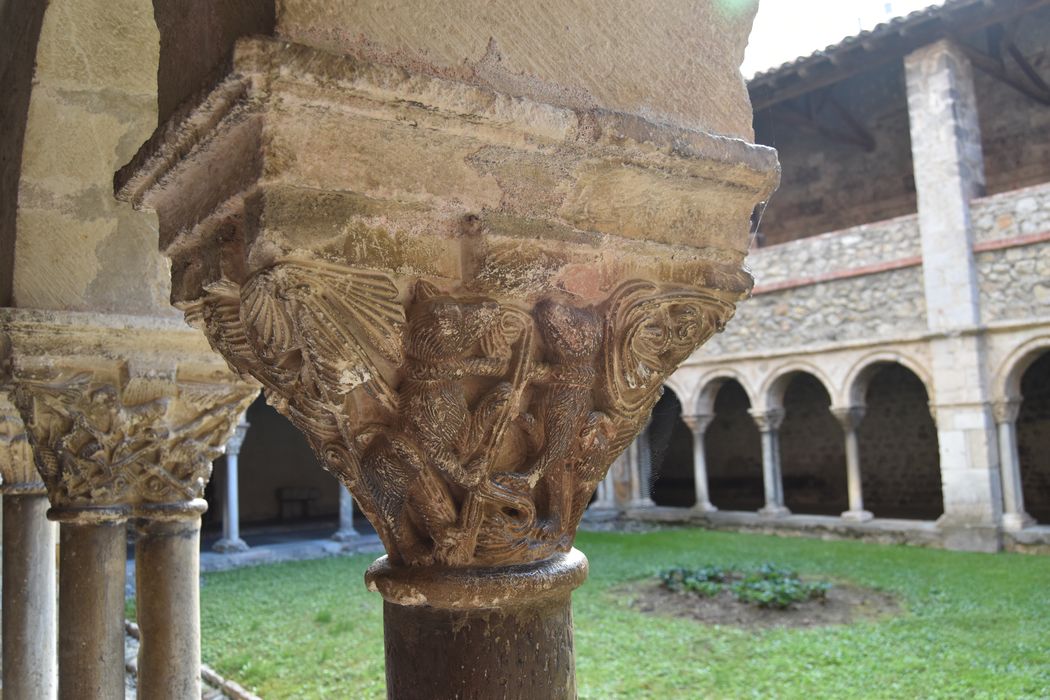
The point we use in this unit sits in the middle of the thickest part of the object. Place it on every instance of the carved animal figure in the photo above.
(419, 472)
(560, 436)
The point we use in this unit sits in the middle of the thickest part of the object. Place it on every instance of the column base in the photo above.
(706, 507)
(230, 545)
(642, 503)
(774, 512)
(858, 516)
(345, 535)
(475, 634)
(1015, 522)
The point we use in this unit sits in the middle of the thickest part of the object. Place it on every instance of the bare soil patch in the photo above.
(843, 604)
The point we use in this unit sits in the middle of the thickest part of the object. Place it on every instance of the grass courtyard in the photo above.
(971, 626)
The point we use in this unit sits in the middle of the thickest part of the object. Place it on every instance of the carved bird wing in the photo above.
(343, 317)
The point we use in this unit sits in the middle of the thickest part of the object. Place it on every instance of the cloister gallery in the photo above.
(467, 249)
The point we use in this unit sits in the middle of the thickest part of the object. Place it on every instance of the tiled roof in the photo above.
(884, 42)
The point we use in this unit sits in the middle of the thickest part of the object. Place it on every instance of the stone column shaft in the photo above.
(519, 651)
(346, 531)
(850, 418)
(167, 582)
(769, 426)
(949, 173)
(91, 609)
(698, 424)
(606, 494)
(1014, 515)
(231, 516)
(29, 597)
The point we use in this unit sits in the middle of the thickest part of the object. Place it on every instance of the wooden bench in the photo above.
(297, 498)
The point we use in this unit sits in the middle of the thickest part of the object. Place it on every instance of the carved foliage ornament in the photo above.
(97, 444)
(470, 431)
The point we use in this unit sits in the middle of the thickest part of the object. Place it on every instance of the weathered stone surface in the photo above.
(852, 249)
(627, 56)
(122, 412)
(92, 104)
(1023, 212)
(886, 305)
(467, 300)
(1014, 282)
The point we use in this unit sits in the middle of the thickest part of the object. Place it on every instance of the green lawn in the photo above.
(974, 626)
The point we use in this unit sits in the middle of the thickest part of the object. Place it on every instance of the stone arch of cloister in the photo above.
(709, 384)
(776, 381)
(855, 384)
(1022, 413)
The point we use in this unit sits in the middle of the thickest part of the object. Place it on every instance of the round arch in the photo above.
(776, 383)
(710, 384)
(861, 372)
(1007, 385)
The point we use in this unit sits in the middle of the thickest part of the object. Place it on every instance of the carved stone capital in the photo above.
(698, 423)
(16, 457)
(240, 431)
(130, 429)
(768, 420)
(468, 301)
(849, 417)
(1006, 411)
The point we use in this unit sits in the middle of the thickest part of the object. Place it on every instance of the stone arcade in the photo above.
(895, 358)
(461, 247)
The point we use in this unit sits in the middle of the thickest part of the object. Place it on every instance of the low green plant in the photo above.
(770, 586)
(706, 581)
(767, 586)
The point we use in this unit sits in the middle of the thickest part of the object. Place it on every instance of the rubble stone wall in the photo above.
(887, 304)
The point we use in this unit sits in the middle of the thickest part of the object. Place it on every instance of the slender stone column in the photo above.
(1014, 515)
(444, 279)
(768, 423)
(167, 572)
(850, 417)
(92, 555)
(231, 517)
(698, 424)
(346, 531)
(606, 494)
(29, 624)
(29, 576)
(949, 173)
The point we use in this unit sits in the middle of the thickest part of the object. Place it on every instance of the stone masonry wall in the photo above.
(1022, 212)
(1015, 282)
(812, 450)
(899, 462)
(850, 249)
(887, 304)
